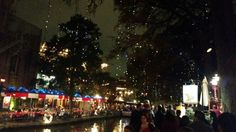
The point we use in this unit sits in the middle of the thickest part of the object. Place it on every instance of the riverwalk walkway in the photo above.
(27, 124)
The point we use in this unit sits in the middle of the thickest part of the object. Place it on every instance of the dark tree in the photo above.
(92, 4)
(166, 41)
(105, 82)
(73, 56)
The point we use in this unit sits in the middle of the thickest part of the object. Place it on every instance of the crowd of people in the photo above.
(144, 119)
(58, 113)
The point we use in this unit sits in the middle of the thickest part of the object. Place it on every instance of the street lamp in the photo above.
(2, 80)
(215, 80)
(209, 50)
(215, 87)
(104, 65)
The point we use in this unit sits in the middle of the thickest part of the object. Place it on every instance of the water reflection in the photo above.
(109, 125)
(94, 128)
(46, 130)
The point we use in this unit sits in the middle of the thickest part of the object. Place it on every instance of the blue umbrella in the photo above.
(49, 91)
(34, 91)
(77, 95)
(11, 89)
(87, 96)
(55, 92)
(42, 91)
(22, 89)
(61, 92)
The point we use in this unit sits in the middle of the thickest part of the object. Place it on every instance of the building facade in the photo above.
(19, 42)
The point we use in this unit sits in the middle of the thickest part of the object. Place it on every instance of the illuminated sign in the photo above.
(6, 102)
(190, 94)
(46, 80)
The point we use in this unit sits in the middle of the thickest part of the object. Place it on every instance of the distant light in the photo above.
(97, 96)
(3, 80)
(215, 80)
(84, 65)
(120, 88)
(106, 84)
(24, 98)
(209, 50)
(104, 65)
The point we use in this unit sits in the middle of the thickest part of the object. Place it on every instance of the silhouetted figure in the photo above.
(159, 117)
(147, 110)
(170, 123)
(184, 121)
(170, 109)
(178, 113)
(185, 129)
(227, 122)
(214, 123)
(135, 117)
(200, 124)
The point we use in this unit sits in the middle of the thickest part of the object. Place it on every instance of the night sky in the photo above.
(36, 12)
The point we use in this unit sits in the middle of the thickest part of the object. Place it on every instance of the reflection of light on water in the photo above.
(46, 130)
(94, 128)
(47, 118)
(120, 126)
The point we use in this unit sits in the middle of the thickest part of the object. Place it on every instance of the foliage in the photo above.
(74, 55)
(165, 41)
(92, 4)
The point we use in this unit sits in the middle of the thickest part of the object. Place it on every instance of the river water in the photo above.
(108, 125)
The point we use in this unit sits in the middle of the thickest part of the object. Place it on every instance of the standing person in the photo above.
(148, 110)
(185, 129)
(184, 125)
(200, 124)
(159, 117)
(135, 117)
(146, 124)
(170, 123)
(170, 110)
(178, 113)
(184, 122)
(227, 123)
(214, 122)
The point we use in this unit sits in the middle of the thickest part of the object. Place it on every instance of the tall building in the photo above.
(19, 42)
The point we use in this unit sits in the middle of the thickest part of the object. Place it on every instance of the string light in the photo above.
(43, 46)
